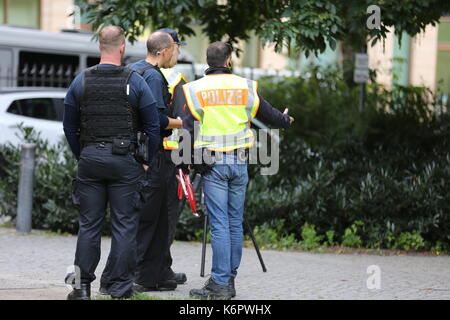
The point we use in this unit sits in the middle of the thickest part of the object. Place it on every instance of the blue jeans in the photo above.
(224, 189)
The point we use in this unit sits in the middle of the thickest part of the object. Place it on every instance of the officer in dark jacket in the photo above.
(175, 80)
(152, 237)
(105, 107)
(224, 182)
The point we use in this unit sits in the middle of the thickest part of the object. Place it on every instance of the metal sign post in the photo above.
(361, 76)
(25, 196)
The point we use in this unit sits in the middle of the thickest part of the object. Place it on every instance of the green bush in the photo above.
(189, 227)
(272, 236)
(52, 191)
(351, 238)
(310, 239)
(440, 248)
(330, 238)
(388, 168)
(410, 241)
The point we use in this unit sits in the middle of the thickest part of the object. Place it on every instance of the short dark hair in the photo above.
(157, 41)
(217, 53)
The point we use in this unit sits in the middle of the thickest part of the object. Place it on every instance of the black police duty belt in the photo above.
(132, 148)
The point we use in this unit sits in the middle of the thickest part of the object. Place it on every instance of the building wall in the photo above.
(197, 45)
(21, 13)
(380, 58)
(54, 15)
(329, 57)
(424, 58)
(252, 53)
(269, 59)
(47, 15)
(401, 59)
(443, 56)
(2, 12)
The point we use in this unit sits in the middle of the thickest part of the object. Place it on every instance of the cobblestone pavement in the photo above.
(34, 266)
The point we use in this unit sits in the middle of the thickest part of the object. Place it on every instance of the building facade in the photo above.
(47, 15)
(423, 60)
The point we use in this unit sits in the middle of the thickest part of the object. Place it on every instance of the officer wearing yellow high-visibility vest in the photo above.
(224, 104)
(175, 80)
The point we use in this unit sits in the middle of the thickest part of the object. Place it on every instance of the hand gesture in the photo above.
(291, 119)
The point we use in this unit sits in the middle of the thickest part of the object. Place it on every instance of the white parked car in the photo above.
(40, 108)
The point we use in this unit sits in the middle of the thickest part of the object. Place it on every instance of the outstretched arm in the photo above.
(271, 116)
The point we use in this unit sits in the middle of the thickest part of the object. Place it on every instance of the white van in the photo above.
(35, 58)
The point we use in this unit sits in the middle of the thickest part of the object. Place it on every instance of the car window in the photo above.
(40, 108)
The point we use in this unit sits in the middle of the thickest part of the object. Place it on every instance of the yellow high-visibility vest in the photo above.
(224, 104)
(173, 79)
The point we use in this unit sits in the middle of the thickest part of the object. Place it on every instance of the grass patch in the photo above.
(140, 296)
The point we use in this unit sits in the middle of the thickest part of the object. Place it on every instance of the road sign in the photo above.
(361, 61)
(361, 72)
(360, 75)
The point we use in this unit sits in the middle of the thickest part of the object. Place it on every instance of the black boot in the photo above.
(179, 278)
(166, 285)
(212, 291)
(104, 289)
(83, 293)
(129, 294)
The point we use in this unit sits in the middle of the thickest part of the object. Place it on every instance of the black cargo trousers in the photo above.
(153, 233)
(157, 221)
(173, 211)
(104, 178)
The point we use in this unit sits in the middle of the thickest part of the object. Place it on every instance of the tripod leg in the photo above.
(255, 244)
(205, 232)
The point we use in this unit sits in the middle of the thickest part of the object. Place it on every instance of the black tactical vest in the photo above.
(105, 110)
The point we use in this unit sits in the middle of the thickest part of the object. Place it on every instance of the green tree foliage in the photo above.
(301, 24)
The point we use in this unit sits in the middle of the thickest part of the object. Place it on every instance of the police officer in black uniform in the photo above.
(105, 107)
(152, 239)
(176, 106)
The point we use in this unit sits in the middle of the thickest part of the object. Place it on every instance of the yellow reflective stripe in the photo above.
(241, 134)
(247, 144)
(224, 142)
(189, 101)
(170, 145)
(173, 78)
(255, 107)
(167, 74)
(171, 142)
(174, 82)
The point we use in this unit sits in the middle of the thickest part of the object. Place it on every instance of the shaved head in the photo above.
(111, 38)
(158, 41)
